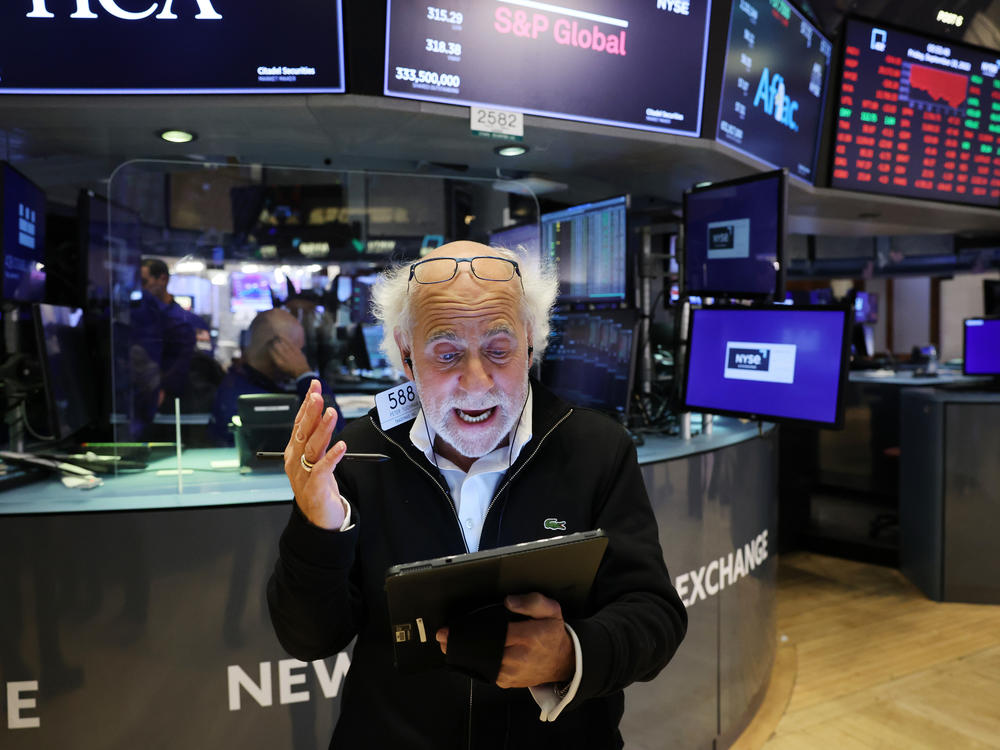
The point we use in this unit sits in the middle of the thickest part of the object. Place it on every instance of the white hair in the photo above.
(392, 306)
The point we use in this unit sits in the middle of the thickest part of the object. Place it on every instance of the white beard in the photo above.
(468, 440)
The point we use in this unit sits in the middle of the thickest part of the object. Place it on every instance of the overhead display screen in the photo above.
(777, 64)
(171, 47)
(917, 117)
(633, 63)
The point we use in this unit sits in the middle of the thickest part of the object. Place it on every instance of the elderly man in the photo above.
(490, 457)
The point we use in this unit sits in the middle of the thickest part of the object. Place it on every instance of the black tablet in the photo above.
(425, 596)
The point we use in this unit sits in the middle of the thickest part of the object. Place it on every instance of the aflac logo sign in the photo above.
(771, 91)
(206, 12)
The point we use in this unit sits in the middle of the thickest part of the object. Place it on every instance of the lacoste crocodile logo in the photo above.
(553, 524)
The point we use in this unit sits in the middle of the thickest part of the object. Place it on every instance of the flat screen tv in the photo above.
(591, 359)
(780, 363)
(249, 291)
(915, 116)
(631, 63)
(774, 86)
(64, 355)
(588, 244)
(991, 296)
(981, 346)
(865, 308)
(373, 358)
(190, 47)
(22, 237)
(734, 237)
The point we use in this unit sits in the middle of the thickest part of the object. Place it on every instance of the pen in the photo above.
(345, 457)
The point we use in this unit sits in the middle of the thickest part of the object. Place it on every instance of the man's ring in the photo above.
(307, 465)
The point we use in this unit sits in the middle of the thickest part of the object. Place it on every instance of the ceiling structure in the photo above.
(65, 143)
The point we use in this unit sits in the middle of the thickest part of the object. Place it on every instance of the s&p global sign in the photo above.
(171, 47)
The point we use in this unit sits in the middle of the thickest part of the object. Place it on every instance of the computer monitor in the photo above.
(734, 236)
(981, 346)
(63, 352)
(22, 237)
(865, 308)
(774, 85)
(991, 297)
(249, 291)
(522, 239)
(590, 360)
(780, 363)
(373, 357)
(588, 244)
(821, 296)
(356, 293)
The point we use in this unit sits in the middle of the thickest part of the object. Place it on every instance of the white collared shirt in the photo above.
(472, 493)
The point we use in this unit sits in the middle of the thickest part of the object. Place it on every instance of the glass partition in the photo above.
(238, 241)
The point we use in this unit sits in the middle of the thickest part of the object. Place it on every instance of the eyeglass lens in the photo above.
(444, 269)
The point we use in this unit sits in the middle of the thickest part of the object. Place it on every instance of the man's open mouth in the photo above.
(474, 416)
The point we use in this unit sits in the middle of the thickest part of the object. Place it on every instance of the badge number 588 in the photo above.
(397, 405)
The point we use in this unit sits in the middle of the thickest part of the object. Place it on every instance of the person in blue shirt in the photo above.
(272, 363)
(178, 332)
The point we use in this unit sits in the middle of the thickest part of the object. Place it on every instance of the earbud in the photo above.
(409, 362)
(531, 350)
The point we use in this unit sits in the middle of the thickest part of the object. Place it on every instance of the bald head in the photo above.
(268, 325)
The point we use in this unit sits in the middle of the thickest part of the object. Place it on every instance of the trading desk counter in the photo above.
(133, 614)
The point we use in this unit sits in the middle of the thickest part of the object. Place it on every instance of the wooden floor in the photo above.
(865, 660)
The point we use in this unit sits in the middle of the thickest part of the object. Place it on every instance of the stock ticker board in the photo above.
(917, 117)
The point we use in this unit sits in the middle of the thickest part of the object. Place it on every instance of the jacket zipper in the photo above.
(447, 496)
(488, 509)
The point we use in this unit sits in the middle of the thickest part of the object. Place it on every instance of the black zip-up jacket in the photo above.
(579, 467)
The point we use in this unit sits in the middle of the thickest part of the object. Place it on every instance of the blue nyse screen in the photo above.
(734, 234)
(772, 363)
(982, 346)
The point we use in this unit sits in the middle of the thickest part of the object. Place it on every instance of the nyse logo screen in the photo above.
(763, 362)
(729, 239)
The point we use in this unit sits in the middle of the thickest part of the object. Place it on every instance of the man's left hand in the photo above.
(537, 651)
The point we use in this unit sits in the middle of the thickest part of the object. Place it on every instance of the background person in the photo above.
(272, 363)
(178, 333)
(487, 462)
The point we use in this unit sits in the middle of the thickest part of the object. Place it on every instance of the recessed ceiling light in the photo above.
(177, 136)
(511, 150)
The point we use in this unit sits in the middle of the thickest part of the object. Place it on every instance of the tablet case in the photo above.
(427, 595)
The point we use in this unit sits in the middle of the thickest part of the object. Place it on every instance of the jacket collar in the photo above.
(547, 410)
